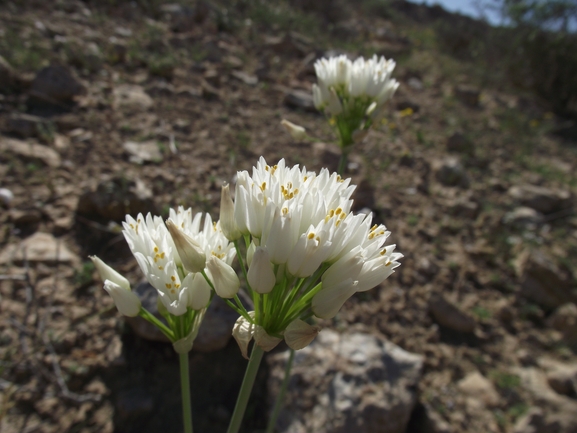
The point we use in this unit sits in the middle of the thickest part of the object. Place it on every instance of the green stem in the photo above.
(245, 389)
(280, 397)
(147, 315)
(185, 388)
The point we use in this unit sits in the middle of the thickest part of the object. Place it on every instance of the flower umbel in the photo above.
(309, 252)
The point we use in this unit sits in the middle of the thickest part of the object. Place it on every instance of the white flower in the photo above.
(308, 250)
(126, 301)
(226, 282)
(350, 89)
(107, 273)
(260, 276)
(297, 132)
(156, 253)
(190, 252)
(227, 223)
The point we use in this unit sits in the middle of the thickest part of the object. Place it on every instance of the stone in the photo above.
(544, 200)
(450, 172)
(141, 153)
(39, 248)
(247, 79)
(459, 143)
(561, 377)
(543, 281)
(26, 125)
(564, 320)
(523, 217)
(450, 316)
(131, 97)
(415, 84)
(30, 151)
(477, 386)
(343, 383)
(84, 55)
(56, 83)
(209, 92)
(114, 198)
(6, 197)
(300, 99)
(468, 95)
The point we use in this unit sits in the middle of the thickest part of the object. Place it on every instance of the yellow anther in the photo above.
(342, 216)
(311, 235)
(373, 228)
(371, 235)
(160, 268)
(132, 226)
(155, 249)
(162, 255)
(331, 213)
(388, 264)
(182, 225)
(177, 286)
(284, 210)
(173, 278)
(263, 186)
(168, 286)
(305, 178)
(338, 211)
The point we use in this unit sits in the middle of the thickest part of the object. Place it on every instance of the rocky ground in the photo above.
(128, 107)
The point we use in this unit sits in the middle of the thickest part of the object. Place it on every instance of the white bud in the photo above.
(191, 253)
(199, 291)
(327, 303)
(243, 332)
(224, 278)
(107, 273)
(250, 253)
(125, 300)
(334, 107)
(261, 275)
(297, 132)
(227, 221)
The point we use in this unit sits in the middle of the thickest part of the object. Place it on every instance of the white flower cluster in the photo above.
(342, 84)
(302, 229)
(157, 254)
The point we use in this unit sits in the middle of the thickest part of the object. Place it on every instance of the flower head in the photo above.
(353, 92)
(309, 252)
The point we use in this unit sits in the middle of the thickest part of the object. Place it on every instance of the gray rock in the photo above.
(116, 197)
(27, 126)
(215, 330)
(344, 383)
(523, 217)
(30, 151)
(129, 97)
(460, 144)
(40, 247)
(464, 208)
(450, 172)
(6, 197)
(449, 315)
(543, 281)
(56, 83)
(477, 386)
(544, 200)
(141, 153)
(248, 79)
(415, 84)
(300, 99)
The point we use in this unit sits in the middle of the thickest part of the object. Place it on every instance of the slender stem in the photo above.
(245, 389)
(185, 388)
(147, 315)
(282, 392)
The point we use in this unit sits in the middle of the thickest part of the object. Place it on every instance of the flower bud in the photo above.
(227, 221)
(224, 278)
(199, 292)
(107, 273)
(327, 303)
(334, 107)
(261, 275)
(297, 132)
(191, 254)
(125, 300)
(250, 253)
